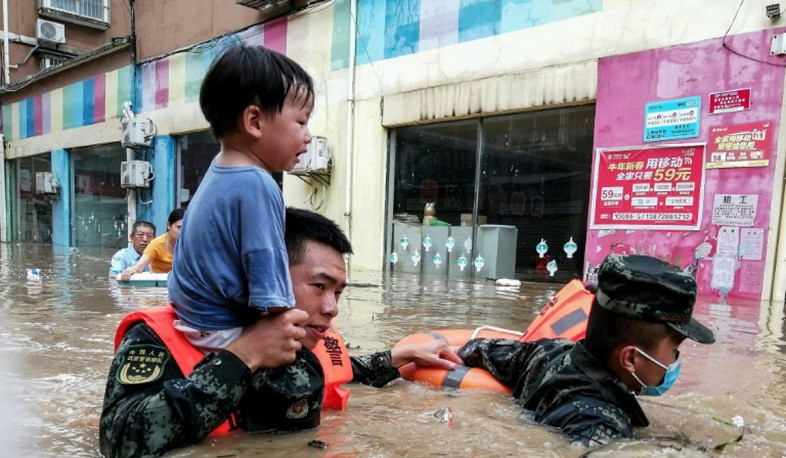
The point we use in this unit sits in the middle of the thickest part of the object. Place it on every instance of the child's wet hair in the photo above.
(249, 75)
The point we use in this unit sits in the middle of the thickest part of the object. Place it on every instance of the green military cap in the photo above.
(648, 289)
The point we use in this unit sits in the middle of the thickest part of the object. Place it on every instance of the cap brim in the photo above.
(694, 330)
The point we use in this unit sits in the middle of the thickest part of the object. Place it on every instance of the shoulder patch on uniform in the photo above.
(142, 364)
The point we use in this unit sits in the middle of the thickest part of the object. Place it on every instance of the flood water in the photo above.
(57, 345)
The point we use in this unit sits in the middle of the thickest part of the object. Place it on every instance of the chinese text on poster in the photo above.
(648, 188)
(743, 145)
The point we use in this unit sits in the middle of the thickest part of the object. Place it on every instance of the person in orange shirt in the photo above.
(158, 253)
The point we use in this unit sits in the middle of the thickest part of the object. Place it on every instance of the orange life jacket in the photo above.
(331, 352)
(564, 317)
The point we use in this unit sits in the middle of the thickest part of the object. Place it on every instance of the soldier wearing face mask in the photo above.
(641, 314)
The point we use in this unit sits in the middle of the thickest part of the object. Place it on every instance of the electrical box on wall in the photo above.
(137, 132)
(778, 45)
(316, 160)
(135, 174)
(45, 183)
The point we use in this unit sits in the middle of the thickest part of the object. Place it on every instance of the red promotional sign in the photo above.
(742, 145)
(730, 101)
(648, 188)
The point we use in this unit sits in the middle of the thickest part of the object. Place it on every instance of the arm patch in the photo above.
(142, 364)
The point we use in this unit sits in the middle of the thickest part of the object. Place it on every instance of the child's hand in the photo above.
(272, 341)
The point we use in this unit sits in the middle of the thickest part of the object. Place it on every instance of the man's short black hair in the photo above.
(249, 75)
(140, 223)
(303, 226)
(607, 331)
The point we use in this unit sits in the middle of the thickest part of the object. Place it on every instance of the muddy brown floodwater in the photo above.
(57, 346)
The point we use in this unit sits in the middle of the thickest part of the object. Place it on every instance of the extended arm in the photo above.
(507, 360)
(380, 368)
(117, 265)
(140, 266)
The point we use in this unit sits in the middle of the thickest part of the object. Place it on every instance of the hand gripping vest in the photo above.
(331, 352)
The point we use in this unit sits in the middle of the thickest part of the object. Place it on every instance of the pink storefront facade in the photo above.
(734, 89)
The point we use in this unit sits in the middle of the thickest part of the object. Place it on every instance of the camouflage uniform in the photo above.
(563, 384)
(150, 408)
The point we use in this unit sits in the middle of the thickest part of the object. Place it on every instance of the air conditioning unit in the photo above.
(135, 174)
(50, 31)
(45, 183)
(316, 160)
(137, 132)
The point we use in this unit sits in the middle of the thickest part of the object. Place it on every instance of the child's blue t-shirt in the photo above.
(230, 262)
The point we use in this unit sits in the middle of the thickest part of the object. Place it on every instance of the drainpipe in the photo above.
(130, 153)
(6, 51)
(3, 208)
(131, 208)
(353, 6)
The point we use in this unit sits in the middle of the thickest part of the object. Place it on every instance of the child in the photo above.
(641, 314)
(230, 265)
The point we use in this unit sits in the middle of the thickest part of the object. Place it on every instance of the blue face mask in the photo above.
(672, 372)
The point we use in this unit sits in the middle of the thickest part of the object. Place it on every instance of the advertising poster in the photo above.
(743, 145)
(648, 187)
(672, 119)
(734, 209)
(730, 101)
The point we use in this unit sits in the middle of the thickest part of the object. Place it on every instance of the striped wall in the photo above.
(386, 29)
(91, 101)
(392, 28)
(176, 79)
(173, 80)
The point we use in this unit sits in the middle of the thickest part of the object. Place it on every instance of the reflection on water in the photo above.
(57, 345)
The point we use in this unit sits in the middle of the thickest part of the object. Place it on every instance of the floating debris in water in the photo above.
(318, 444)
(445, 415)
(33, 275)
(508, 282)
(352, 347)
(737, 421)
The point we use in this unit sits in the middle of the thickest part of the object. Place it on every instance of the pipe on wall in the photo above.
(350, 118)
(6, 50)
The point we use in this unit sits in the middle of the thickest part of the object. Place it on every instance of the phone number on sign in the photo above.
(652, 216)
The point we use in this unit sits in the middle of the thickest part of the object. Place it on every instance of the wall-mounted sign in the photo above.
(672, 119)
(734, 209)
(648, 187)
(730, 101)
(742, 145)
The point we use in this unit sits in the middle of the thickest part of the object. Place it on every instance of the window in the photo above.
(531, 182)
(86, 12)
(50, 61)
(99, 215)
(31, 212)
(195, 153)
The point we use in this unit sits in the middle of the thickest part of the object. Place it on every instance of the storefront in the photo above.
(523, 180)
(99, 212)
(30, 212)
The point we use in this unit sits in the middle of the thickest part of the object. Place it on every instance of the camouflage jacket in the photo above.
(150, 408)
(563, 385)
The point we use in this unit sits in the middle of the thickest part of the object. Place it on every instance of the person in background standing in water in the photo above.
(142, 232)
(158, 254)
